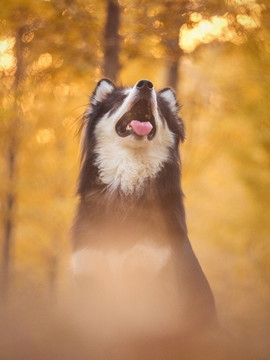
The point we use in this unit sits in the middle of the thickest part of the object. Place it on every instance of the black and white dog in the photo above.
(130, 238)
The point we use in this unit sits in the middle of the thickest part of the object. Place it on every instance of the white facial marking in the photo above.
(127, 91)
(148, 257)
(169, 96)
(126, 163)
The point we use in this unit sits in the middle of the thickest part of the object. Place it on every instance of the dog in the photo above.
(131, 249)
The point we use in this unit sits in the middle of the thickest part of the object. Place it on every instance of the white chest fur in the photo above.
(126, 169)
(145, 258)
(132, 290)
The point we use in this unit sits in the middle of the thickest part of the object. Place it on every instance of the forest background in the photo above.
(216, 55)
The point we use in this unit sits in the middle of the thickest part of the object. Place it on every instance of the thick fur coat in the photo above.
(130, 240)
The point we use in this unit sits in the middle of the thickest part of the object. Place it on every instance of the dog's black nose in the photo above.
(144, 84)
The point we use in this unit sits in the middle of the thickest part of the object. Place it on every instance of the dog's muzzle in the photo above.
(139, 120)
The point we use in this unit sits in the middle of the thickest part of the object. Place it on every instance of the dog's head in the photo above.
(131, 131)
(137, 112)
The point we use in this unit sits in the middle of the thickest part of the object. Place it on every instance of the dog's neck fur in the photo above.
(129, 170)
(158, 206)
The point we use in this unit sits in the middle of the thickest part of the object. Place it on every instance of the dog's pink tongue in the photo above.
(141, 128)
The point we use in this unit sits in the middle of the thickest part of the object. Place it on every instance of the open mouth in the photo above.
(139, 121)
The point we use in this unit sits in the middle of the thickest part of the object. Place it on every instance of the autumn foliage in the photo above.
(216, 55)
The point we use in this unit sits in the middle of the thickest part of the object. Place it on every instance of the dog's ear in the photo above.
(103, 89)
(169, 96)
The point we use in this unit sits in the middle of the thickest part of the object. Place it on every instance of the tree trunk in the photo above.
(8, 221)
(12, 149)
(111, 40)
(174, 54)
(173, 74)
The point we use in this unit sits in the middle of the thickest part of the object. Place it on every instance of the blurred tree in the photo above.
(253, 152)
(161, 23)
(111, 40)
(230, 101)
(45, 57)
(15, 78)
(11, 165)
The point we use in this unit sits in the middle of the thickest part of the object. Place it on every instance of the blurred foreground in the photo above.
(42, 330)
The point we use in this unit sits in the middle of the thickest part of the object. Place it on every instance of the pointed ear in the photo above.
(103, 89)
(169, 96)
